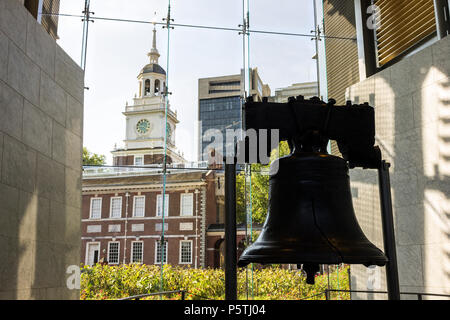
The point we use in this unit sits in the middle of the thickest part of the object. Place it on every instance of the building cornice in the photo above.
(141, 110)
(146, 151)
(138, 219)
(143, 187)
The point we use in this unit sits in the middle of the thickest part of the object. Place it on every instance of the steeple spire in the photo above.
(154, 38)
(154, 54)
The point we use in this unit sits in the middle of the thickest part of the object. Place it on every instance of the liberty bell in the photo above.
(310, 218)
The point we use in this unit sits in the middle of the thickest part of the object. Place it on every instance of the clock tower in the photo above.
(145, 119)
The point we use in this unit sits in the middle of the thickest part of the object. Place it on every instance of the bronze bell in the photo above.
(310, 219)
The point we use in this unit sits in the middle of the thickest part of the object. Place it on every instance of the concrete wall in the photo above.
(41, 125)
(412, 109)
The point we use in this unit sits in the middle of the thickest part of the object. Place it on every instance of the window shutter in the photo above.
(403, 24)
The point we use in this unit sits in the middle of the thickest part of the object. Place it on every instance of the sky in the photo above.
(117, 51)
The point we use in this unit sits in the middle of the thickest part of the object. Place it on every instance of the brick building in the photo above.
(122, 217)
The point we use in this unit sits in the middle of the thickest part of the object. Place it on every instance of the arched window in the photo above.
(147, 87)
(157, 86)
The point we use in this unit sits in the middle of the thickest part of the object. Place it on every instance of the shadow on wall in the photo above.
(336, 6)
(40, 223)
(412, 107)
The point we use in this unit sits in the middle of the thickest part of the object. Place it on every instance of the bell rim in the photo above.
(264, 260)
(377, 257)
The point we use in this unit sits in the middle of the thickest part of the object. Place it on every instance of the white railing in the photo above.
(153, 169)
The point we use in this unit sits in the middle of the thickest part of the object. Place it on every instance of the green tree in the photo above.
(92, 158)
(259, 188)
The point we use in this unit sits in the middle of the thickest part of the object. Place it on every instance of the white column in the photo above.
(152, 87)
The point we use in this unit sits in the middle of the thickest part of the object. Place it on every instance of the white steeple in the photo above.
(145, 125)
(154, 54)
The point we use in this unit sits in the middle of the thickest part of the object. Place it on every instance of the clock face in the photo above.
(143, 126)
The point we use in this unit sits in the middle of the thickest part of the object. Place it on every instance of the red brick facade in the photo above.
(207, 200)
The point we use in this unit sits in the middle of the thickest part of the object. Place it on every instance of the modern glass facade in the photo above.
(218, 114)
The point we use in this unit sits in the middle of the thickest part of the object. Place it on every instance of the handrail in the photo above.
(139, 296)
(419, 294)
(326, 293)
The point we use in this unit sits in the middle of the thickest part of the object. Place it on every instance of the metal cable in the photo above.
(204, 27)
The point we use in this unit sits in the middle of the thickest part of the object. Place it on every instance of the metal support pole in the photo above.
(349, 281)
(317, 39)
(86, 21)
(230, 233)
(387, 218)
(442, 18)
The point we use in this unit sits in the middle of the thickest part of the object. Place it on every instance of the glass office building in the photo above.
(219, 109)
(218, 114)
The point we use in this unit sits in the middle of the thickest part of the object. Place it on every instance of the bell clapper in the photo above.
(311, 270)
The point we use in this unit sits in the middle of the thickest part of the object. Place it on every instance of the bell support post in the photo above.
(230, 232)
(387, 221)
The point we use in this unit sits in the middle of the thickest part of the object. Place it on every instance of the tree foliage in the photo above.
(101, 282)
(92, 158)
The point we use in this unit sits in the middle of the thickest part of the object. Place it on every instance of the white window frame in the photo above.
(182, 197)
(166, 253)
(166, 207)
(90, 209)
(181, 242)
(111, 207)
(139, 156)
(134, 207)
(118, 252)
(132, 251)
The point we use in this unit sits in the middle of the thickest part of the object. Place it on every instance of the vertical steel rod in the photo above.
(230, 233)
(387, 219)
(442, 18)
(86, 21)
(317, 39)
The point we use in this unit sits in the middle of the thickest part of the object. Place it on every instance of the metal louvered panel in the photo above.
(403, 24)
(341, 55)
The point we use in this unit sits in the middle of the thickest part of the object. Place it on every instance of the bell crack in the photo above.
(323, 234)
